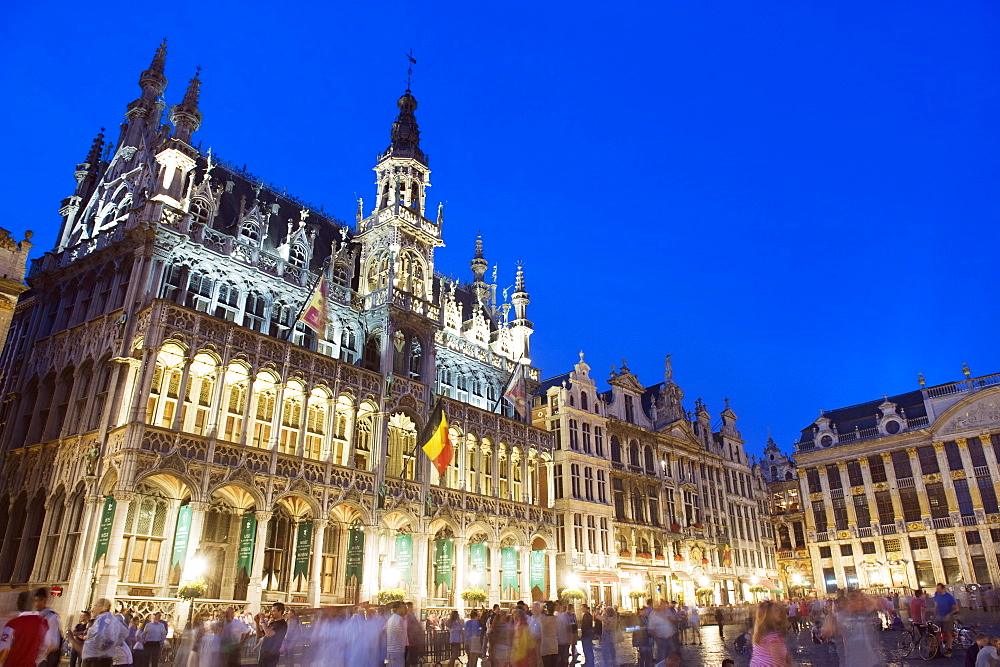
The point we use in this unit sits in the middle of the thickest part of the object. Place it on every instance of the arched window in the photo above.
(265, 393)
(774, 473)
(250, 231)
(343, 429)
(788, 475)
(291, 417)
(277, 547)
(297, 255)
(648, 460)
(378, 271)
(583, 400)
(363, 435)
(234, 400)
(340, 275)
(348, 345)
(47, 567)
(487, 476)
(616, 450)
(255, 312)
(144, 531)
(317, 424)
(402, 447)
(633, 453)
(74, 524)
(200, 210)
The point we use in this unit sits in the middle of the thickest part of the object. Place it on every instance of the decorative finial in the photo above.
(624, 367)
(965, 370)
(614, 371)
(409, 70)
(668, 370)
(479, 245)
(519, 279)
(921, 380)
(581, 355)
(440, 220)
(770, 440)
(726, 401)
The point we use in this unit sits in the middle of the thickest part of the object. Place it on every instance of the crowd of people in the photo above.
(543, 634)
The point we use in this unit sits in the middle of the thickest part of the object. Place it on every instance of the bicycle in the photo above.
(914, 638)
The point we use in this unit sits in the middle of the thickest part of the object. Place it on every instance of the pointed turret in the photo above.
(404, 138)
(479, 266)
(142, 117)
(669, 404)
(153, 81)
(520, 326)
(185, 116)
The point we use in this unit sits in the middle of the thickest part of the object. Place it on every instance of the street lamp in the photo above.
(193, 584)
(474, 578)
(572, 580)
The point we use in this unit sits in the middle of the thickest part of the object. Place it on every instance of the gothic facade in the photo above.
(650, 503)
(168, 417)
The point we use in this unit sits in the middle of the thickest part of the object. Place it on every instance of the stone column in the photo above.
(421, 565)
(255, 588)
(179, 415)
(316, 566)
(249, 408)
(949, 487)
(550, 554)
(524, 562)
(461, 563)
(494, 584)
(369, 580)
(918, 482)
(81, 574)
(108, 584)
(300, 439)
(969, 469)
(198, 511)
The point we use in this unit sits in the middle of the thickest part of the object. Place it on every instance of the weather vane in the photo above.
(409, 70)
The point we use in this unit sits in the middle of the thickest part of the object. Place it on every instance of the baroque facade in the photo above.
(902, 491)
(650, 503)
(168, 416)
(13, 266)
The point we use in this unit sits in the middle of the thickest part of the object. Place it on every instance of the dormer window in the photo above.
(200, 210)
(250, 232)
(340, 275)
(297, 256)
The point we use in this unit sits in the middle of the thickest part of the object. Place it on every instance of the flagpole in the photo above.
(506, 384)
(309, 295)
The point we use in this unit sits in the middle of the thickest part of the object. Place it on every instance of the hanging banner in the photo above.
(355, 554)
(443, 561)
(303, 547)
(181, 535)
(536, 570)
(404, 557)
(477, 556)
(104, 530)
(508, 562)
(248, 533)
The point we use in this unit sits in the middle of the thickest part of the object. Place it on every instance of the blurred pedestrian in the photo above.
(25, 640)
(769, 631)
(103, 638)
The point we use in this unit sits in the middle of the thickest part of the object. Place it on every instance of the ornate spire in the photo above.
(404, 137)
(185, 116)
(519, 280)
(153, 81)
(94, 156)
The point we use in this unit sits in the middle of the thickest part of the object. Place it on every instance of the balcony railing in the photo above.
(888, 528)
(864, 531)
(904, 483)
(943, 522)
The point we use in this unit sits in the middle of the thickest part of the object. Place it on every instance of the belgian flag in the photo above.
(435, 440)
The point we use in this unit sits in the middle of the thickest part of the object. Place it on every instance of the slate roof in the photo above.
(866, 415)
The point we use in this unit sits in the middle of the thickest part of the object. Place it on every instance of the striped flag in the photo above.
(316, 313)
(435, 440)
(515, 391)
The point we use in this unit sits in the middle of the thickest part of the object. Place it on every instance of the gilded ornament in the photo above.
(932, 478)
(881, 486)
(938, 446)
(844, 535)
(816, 496)
(995, 518)
(958, 474)
(858, 490)
(915, 525)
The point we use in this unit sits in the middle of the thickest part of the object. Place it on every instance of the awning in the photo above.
(683, 576)
(769, 585)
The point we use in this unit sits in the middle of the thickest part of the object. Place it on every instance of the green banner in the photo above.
(508, 563)
(477, 556)
(355, 554)
(404, 557)
(442, 561)
(104, 530)
(303, 547)
(181, 535)
(536, 570)
(248, 533)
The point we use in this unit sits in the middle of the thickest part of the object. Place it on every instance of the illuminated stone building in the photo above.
(902, 491)
(788, 520)
(13, 265)
(166, 415)
(649, 502)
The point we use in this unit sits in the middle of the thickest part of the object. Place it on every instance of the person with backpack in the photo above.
(54, 637)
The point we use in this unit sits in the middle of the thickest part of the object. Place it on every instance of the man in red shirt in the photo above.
(23, 641)
(918, 608)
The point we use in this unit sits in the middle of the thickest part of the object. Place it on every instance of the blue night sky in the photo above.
(798, 200)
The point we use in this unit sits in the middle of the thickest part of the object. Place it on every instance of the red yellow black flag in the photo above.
(435, 440)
